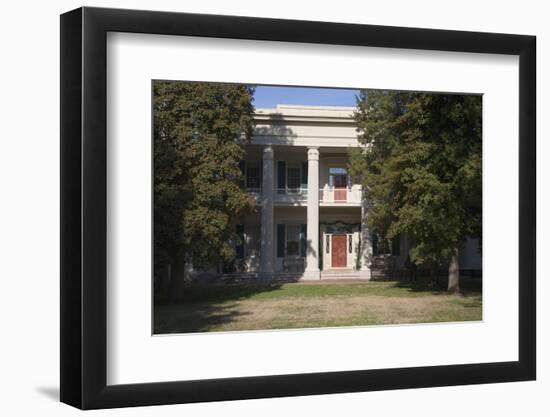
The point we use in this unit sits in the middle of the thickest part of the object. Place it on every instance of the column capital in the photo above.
(313, 153)
(268, 152)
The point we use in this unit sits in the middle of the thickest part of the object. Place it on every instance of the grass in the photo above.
(230, 307)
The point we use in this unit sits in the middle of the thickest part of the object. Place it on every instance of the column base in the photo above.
(365, 274)
(311, 275)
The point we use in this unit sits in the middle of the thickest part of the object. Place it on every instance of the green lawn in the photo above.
(229, 307)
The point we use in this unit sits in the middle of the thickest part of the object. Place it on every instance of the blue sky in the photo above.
(270, 96)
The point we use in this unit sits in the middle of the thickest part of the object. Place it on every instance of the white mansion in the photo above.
(310, 220)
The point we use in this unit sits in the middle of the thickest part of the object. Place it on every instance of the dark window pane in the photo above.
(292, 240)
(281, 174)
(294, 180)
(253, 177)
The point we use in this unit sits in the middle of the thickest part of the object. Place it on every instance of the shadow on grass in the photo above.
(193, 317)
(223, 292)
(468, 286)
(201, 307)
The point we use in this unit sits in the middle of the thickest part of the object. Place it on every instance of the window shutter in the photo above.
(304, 174)
(374, 239)
(281, 174)
(281, 241)
(303, 240)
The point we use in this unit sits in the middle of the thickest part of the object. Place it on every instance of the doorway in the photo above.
(338, 180)
(339, 257)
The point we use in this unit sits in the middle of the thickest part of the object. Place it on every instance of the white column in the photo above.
(266, 253)
(366, 244)
(312, 260)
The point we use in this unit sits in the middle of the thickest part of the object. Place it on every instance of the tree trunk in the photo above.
(454, 274)
(177, 275)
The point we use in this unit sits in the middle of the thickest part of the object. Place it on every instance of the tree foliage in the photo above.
(420, 166)
(200, 130)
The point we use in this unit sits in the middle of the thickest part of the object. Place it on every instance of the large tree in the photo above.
(420, 165)
(200, 130)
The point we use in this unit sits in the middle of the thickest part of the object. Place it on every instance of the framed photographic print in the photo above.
(256, 208)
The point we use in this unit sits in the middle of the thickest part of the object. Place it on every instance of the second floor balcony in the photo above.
(340, 195)
(286, 170)
(328, 195)
(291, 196)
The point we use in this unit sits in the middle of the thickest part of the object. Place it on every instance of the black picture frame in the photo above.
(84, 207)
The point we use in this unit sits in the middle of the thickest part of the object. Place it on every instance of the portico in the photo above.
(308, 228)
(311, 216)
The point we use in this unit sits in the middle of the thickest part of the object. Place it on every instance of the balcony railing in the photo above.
(291, 195)
(326, 195)
(292, 191)
(340, 195)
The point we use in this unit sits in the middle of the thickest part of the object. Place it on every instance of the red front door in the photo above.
(339, 253)
(340, 187)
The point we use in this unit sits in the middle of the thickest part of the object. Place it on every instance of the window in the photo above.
(338, 177)
(350, 244)
(382, 246)
(293, 240)
(338, 171)
(379, 245)
(294, 178)
(253, 177)
(291, 177)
